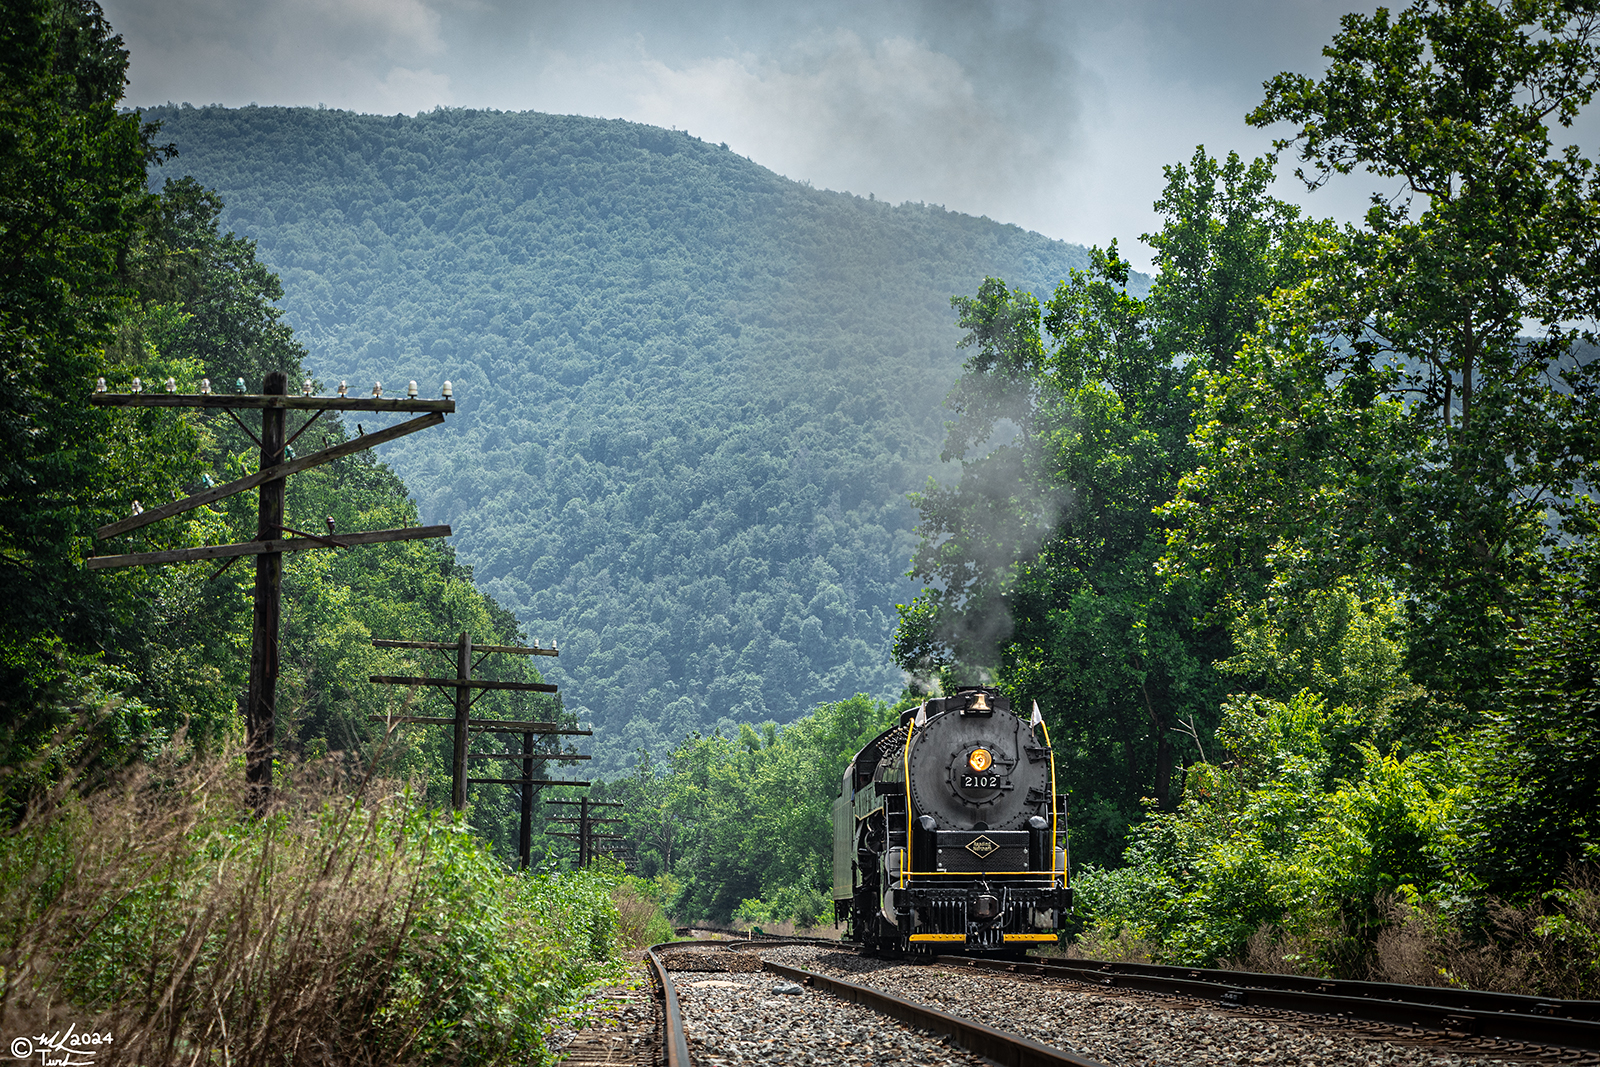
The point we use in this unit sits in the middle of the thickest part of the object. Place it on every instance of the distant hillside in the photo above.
(693, 394)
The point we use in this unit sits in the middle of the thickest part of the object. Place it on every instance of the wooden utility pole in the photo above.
(525, 815)
(585, 835)
(261, 700)
(463, 725)
(274, 403)
(458, 761)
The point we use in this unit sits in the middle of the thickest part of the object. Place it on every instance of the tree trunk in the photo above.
(1164, 751)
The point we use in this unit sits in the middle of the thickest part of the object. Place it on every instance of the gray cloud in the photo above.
(1056, 116)
(372, 55)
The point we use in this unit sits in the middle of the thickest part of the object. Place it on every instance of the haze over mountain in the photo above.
(692, 394)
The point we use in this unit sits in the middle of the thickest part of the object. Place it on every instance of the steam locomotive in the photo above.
(946, 829)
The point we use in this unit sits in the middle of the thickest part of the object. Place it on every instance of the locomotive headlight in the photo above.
(980, 760)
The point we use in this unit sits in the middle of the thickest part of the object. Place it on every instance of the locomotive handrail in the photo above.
(905, 762)
(1055, 798)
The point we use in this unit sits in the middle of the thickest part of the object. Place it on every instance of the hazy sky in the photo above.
(1055, 116)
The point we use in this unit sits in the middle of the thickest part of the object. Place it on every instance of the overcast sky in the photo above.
(1055, 116)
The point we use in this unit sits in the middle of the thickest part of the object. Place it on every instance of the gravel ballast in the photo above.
(736, 1018)
(1119, 1030)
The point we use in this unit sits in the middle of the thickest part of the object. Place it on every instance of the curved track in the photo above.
(674, 1042)
(1470, 1013)
(1010, 1050)
(1572, 1023)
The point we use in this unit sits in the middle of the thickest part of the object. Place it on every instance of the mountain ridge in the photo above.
(692, 394)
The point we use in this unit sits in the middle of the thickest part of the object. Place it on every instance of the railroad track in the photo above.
(674, 1040)
(1525, 1027)
(1573, 1024)
(980, 1041)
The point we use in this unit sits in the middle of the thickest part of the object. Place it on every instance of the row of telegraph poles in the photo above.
(464, 726)
(273, 539)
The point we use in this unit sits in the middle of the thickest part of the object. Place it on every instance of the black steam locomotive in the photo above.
(946, 830)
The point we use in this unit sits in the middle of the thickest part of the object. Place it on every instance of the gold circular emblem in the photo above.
(980, 760)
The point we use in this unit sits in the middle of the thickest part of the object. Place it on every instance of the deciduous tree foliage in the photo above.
(102, 278)
(693, 393)
(743, 824)
(1042, 558)
(1388, 495)
(1395, 416)
(1535, 808)
(206, 304)
(72, 171)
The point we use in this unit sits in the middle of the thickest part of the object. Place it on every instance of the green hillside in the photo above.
(693, 394)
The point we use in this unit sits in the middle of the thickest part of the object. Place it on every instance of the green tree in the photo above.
(71, 186)
(694, 393)
(1041, 559)
(744, 824)
(1268, 839)
(1394, 414)
(72, 192)
(197, 303)
(1534, 808)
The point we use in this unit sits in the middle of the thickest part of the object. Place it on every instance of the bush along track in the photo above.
(350, 925)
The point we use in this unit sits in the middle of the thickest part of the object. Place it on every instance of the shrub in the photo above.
(799, 905)
(1549, 947)
(641, 919)
(1265, 851)
(337, 928)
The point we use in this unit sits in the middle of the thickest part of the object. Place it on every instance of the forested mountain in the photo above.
(693, 394)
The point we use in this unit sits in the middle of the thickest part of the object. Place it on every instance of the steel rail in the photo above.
(1011, 1050)
(1468, 999)
(674, 1043)
(1479, 1014)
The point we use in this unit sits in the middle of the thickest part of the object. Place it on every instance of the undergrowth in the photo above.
(1548, 947)
(348, 925)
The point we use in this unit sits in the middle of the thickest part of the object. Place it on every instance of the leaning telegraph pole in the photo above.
(274, 403)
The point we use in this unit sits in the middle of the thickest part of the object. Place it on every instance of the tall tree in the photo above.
(72, 172)
(1395, 413)
(1041, 559)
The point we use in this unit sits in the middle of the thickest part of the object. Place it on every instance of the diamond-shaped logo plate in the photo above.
(981, 846)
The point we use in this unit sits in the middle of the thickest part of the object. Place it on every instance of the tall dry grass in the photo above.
(1549, 947)
(641, 920)
(346, 926)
